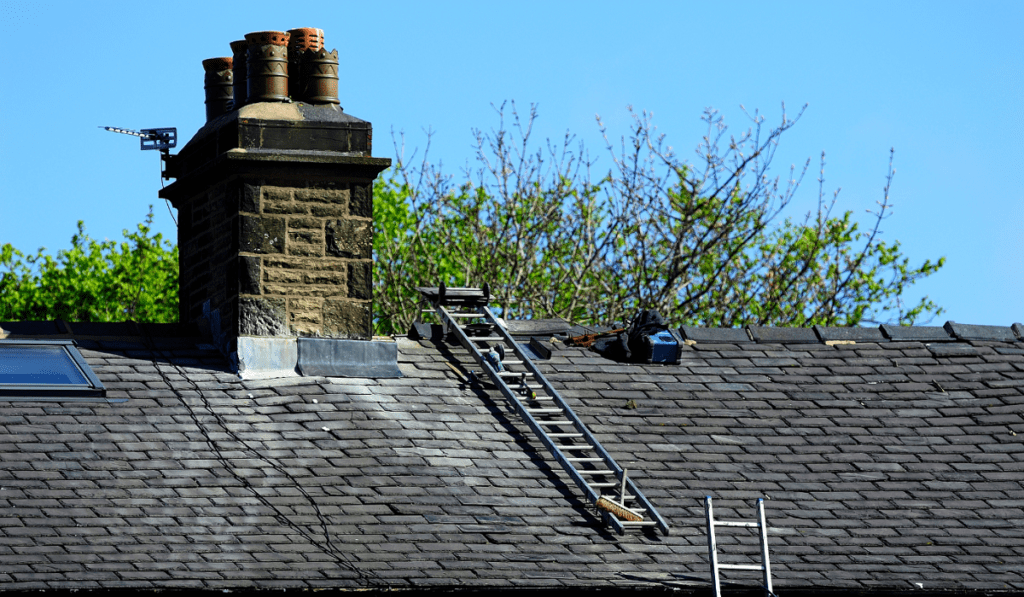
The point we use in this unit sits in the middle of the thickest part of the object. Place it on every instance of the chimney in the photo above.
(275, 228)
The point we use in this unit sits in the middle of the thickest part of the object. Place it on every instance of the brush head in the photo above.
(621, 512)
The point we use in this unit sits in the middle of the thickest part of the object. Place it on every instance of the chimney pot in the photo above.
(218, 86)
(238, 50)
(321, 76)
(267, 67)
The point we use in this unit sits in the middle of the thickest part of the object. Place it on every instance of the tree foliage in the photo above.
(703, 243)
(93, 281)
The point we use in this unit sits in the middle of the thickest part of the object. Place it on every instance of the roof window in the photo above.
(46, 370)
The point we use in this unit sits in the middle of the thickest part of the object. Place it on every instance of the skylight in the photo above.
(45, 370)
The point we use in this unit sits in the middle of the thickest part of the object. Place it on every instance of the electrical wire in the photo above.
(326, 545)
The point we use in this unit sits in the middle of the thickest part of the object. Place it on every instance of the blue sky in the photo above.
(941, 82)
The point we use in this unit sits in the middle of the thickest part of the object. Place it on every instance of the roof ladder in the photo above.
(542, 408)
(761, 525)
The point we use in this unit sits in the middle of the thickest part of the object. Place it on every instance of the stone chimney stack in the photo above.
(275, 217)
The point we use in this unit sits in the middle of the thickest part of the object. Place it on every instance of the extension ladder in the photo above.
(762, 527)
(604, 483)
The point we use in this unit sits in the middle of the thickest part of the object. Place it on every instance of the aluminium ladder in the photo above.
(542, 408)
(761, 525)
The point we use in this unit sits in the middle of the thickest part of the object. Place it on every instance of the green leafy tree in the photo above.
(703, 243)
(93, 281)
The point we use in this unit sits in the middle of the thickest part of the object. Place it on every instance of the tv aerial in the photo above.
(162, 139)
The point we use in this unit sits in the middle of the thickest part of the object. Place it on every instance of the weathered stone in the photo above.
(304, 263)
(279, 194)
(321, 290)
(261, 234)
(307, 243)
(325, 277)
(262, 316)
(361, 201)
(349, 238)
(324, 210)
(304, 223)
(360, 280)
(284, 208)
(250, 199)
(335, 196)
(284, 276)
(248, 275)
(305, 312)
(347, 319)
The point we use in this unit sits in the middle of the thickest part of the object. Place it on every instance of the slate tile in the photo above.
(980, 332)
(715, 335)
(916, 333)
(854, 334)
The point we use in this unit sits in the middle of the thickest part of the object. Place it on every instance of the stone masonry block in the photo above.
(361, 201)
(304, 263)
(250, 198)
(325, 210)
(278, 194)
(248, 274)
(360, 280)
(329, 277)
(262, 316)
(305, 312)
(321, 290)
(349, 238)
(308, 243)
(278, 200)
(347, 319)
(304, 223)
(261, 234)
(283, 276)
(334, 196)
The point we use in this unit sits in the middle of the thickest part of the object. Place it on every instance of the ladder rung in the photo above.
(739, 566)
(615, 498)
(464, 311)
(642, 523)
(726, 523)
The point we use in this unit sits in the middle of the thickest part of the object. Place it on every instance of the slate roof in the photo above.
(884, 464)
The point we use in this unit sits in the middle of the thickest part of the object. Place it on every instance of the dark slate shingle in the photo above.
(882, 465)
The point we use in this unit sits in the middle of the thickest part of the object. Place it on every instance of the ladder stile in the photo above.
(762, 527)
(567, 427)
(712, 548)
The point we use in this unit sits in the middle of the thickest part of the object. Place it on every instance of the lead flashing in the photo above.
(337, 357)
